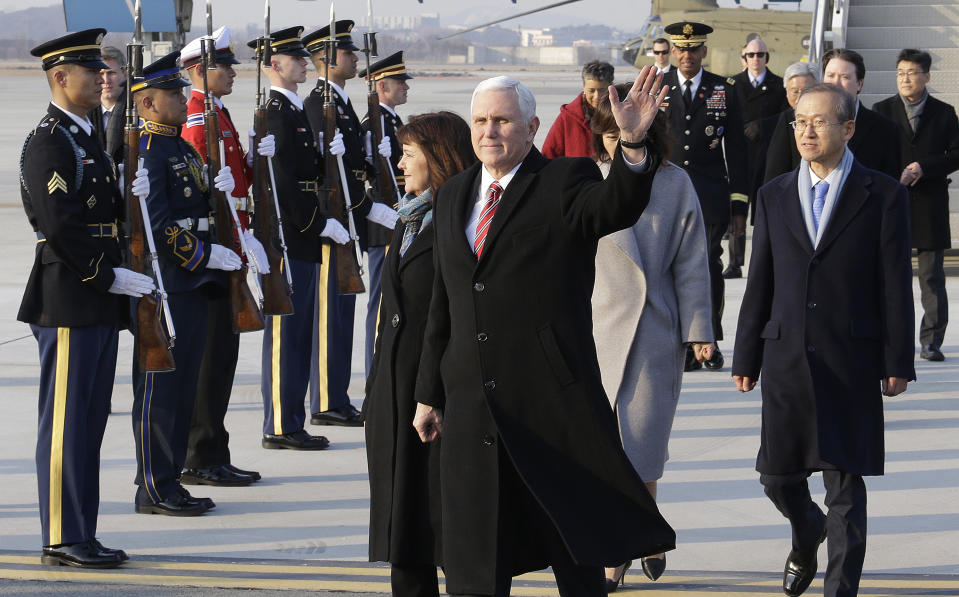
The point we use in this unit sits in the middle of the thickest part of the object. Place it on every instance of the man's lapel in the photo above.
(791, 210)
(851, 198)
(901, 119)
(513, 195)
(462, 204)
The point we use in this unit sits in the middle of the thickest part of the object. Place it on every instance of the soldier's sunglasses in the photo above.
(660, 52)
(756, 55)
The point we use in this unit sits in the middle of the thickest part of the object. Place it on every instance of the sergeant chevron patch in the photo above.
(56, 182)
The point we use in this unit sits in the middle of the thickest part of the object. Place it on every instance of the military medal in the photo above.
(709, 131)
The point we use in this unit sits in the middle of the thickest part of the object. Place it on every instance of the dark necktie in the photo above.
(486, 216)
(687, 93)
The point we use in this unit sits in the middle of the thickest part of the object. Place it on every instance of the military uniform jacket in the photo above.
(935, 145)
(354, 160)
(68, 185)
(177, 191)
(296, 167)
(380, 235)
(712, 126)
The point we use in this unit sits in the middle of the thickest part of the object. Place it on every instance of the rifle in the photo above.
(245, 312)
(276, 287)
(153, 345)
(348, 268)
(385, 189)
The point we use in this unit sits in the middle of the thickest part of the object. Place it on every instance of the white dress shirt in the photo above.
(693, 87)
(339, 90)
(295, 99)
(757, 81)
(82, 121)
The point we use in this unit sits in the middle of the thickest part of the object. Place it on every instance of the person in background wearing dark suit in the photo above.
(570, 135)
(112, 96)
(532, 470)
(827, 320)
(930, 152)
(404, 472)
(761, 95)
(780, 154)
(661, 51)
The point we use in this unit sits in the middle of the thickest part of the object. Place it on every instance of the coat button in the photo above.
(482, 337)
(687, 132)
(688, 117)
(815, 261)
(479, 287)
(490, 385)
(811, 305)
(685, 162)
(487, 440)
(810, 348)
(686, 147)
(396, 320)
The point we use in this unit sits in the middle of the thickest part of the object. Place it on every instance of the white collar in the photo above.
(697, 79)
(757, 80)
(216, 100)
(388, 109)
(339, 91)
(487, 179)
(295, 99)
(82, 121)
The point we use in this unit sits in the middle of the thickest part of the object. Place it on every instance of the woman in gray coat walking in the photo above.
(650, 301)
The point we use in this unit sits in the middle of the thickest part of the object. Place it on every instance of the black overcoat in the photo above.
(758, 104)
(824, 326)
(404, 472)
(935, 145)
(509, 354)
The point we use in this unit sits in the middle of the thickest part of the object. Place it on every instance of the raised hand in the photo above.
(636, 112)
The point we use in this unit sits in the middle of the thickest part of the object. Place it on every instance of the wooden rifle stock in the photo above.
(386, 191)
(348, 279)
(276, 290)
(153, 350)
(245, 313)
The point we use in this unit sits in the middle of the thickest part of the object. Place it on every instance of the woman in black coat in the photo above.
(404, 499)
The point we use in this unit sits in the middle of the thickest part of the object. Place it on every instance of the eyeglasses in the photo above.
(902, 74)
(660, 52)
(756, 55)
(818, 125)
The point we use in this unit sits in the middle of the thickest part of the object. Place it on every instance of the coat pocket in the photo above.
(770, 330)
(554, 356)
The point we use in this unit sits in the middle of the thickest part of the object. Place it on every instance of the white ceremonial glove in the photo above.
(130, 283)
(224, 259)
(256, 247)
(383, 215)
(224, 180)
(336, 145)
(267, 146)
(335, 232)
(141, 183)
(384, 148)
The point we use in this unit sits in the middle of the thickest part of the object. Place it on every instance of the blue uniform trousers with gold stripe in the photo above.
(163, 402)
(377, 255)
(332, 357)
(77, 367)
(287, 342)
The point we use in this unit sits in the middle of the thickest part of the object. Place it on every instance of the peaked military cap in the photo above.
(192, 52)
(315, 42)
(687, 34)
(391, 67)
(285, 41)
(82, 47)
(161, 74)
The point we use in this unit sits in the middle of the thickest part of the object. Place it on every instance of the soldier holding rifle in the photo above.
(192, 267)
(287, 340)
(208, 458)
(76, 299)
(335, 62)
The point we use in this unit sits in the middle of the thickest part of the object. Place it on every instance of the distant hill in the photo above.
(21, 30)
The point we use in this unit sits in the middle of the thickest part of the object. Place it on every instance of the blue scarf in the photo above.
(415, 211)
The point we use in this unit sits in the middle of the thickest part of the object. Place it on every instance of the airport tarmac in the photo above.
(304, 527)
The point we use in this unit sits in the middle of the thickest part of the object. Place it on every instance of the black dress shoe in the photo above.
(691, 363)
(219, 476)
(298, 440)
(106, 550)
(346, 416)
(731, 273)
(252, 474)
(203, 501)
(79, 555)
(653, 568)
(801, 569)
(173, 505)
(931, 353)
(716, 362)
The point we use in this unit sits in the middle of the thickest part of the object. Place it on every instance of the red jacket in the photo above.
(570, 135)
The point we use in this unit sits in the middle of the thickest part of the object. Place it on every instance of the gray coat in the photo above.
(651, 296)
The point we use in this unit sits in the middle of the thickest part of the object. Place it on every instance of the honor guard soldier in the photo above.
(333, 345)
(390, 77)
(288, 339)
(208, 456)
(77, 296)
(706, 126)
(192, 268)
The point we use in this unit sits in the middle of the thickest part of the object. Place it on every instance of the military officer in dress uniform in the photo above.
(390, 78)
(761, 94)
(208, 458)
(77, 296)
(287, 340)
(192, 267)
(708, 142)
(333, 344)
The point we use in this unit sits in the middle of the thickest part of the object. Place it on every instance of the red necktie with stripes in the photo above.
(486, 216)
